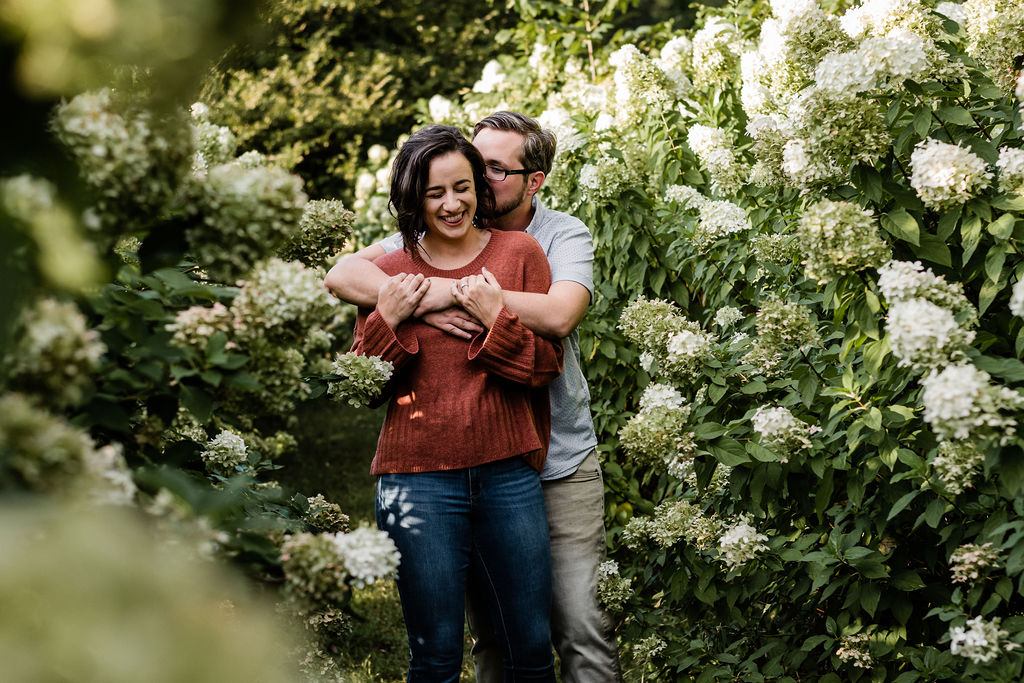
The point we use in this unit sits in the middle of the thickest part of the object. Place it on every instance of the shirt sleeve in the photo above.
(571, 255)
(392, 243)
(373, 337)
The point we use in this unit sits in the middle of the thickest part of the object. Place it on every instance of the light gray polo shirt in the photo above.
(570, 250)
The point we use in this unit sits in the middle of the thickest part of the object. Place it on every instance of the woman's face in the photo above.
(449, 202)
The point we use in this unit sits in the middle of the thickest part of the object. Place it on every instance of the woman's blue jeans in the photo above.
(490, 518)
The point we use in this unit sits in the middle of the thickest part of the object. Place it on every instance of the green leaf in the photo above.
(705, 431)
(870, 568)
(933, 513)
(902, 225)
(902, 503)
(994, 260)
(729, 451)
(957, 115)
(923, 121)
(989, 291)
(197, 401)
(907, 580)
(970, 235)
(1009, 369)
(1002, 227)
(933, 249)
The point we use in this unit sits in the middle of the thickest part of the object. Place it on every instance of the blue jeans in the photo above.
(581, 629)
(487, 522)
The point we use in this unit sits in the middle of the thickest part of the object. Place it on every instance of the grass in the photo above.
(336, 446)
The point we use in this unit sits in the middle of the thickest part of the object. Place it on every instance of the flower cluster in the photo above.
(783, 326)
(225, 453)
(971, 561)
(133, 162)
(322, 567)
(981, 641)
(647, 649)
(1017, 299)
(213, 144)
(1011, 170)
(716, 220)
(995, 36)
(906, 280)
(195, 325)
(877, 17)
(659, 435)
(944, 175)
(716, 49)
(281, 301)
(642, 85)
(727, 315)
(781, 431)
(491, 79)
(887, 60)
(241, 214)
(715, 150)
(108, 480)
(367, 555)
(686, 196)
(925, 336)
(612, 589)
(679, 346)
(853, 650)
(605, 180)
(325, 516)
(740, 543)
(559, 121)
(41, 450)
(778, 248)
(956, 463)
(672, 521)
(323, 229)
(767, 150)
(362, 378)
(54, 353)
(959, 402)
(838, 239)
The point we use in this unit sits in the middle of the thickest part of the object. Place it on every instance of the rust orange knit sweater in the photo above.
(456, 403)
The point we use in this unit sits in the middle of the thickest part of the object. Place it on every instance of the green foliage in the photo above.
(335, 77)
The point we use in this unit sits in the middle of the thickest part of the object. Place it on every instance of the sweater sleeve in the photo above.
(373, 337)
(510, 349)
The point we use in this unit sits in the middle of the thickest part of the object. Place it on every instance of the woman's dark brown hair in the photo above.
(409, 179)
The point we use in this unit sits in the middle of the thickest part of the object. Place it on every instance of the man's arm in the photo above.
(356, 279)
(555, 314)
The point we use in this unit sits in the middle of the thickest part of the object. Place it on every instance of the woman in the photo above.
(466, 430)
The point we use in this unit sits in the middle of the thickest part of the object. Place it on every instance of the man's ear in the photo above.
(535, 182)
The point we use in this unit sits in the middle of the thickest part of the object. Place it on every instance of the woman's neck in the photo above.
(452, 254)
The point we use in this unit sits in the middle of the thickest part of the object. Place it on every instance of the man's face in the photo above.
(502, 148)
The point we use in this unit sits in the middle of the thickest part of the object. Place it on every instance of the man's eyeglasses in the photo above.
(498, 174)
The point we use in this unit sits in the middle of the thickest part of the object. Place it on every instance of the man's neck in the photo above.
(518, 219)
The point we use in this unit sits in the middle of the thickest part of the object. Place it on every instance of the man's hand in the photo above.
(481, 296)
(454, 321)
(399, 296)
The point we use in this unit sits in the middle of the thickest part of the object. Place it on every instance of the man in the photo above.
(519, 154)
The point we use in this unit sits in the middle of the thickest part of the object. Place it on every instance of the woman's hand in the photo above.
(399, 296)
(481, 296)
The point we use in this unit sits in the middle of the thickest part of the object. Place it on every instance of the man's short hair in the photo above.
(538, 143)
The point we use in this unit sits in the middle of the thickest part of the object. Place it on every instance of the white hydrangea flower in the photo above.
(718, 219)
(1017, 299)
(492, 78)
(995, 36)
(853, 649)
(780, 430)
(613, 590)
(944, 175)
(959, 402)
(727, 315)
(363, 378)
(741, 543)
(971, 561)
(924, 335)
(1011, 170)
(368, 554)
(837, 239)
(225, 452)
(979, 640)
(956, 463)
(715, 150)
(952, 10)
(686, 196)
(660, 395)
(905, 280)
(559, 121)
(110, 479)
(714, 52)
(279, 297)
